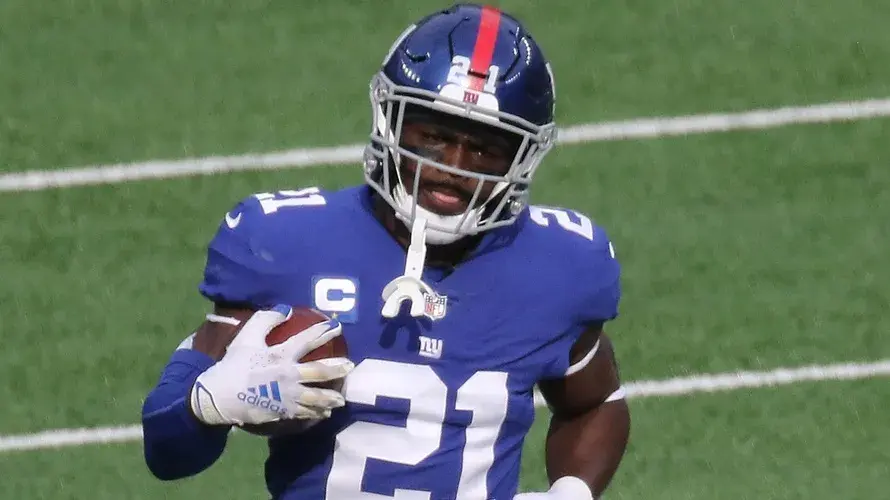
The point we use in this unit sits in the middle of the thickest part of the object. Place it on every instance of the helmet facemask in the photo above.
(386, 151)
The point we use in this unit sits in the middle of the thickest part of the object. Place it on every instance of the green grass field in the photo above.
(743, 250)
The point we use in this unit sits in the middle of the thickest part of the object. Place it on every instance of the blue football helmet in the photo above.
(477, 63)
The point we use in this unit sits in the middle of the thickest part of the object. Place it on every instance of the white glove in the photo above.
(256, 384)
(565, 488)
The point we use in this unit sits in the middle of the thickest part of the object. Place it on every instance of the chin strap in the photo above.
(409, 286)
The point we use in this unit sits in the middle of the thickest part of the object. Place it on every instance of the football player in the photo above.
(456, 299)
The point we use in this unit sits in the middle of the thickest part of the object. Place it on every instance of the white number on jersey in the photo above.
(484, 394)
(308, 197)
(583, 226)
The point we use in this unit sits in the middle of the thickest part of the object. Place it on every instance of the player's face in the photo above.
(460, 143)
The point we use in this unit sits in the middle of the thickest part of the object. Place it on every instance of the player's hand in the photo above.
(565, 488)
(255, 384)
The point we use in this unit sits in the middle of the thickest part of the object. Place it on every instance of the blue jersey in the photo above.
(438, 406)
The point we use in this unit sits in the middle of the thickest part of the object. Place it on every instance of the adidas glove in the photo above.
(565, 488)
(256, 384)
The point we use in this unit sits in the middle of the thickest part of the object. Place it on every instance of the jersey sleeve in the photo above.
(597, 293)
(604, 282)
(242, 268)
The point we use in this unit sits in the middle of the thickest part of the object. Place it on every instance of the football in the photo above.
(301, 318)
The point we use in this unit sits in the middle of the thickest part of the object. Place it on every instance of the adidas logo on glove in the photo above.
(260, 396)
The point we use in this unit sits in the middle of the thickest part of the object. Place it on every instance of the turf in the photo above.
(114, 80)
(743, 269)
(767, 443)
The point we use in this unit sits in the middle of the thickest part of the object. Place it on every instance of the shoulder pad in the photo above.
(244, 264)
(256, 209)
(587, 258)
(572, 231)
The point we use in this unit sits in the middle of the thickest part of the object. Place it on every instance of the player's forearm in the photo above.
(589, 446)
(176, 444)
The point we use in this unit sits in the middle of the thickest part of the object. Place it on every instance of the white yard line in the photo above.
(37, 180)
(680, 386)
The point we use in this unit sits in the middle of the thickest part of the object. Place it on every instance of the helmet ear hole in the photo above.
(519, 202)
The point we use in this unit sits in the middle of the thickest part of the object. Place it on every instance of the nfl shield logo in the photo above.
(435, 306)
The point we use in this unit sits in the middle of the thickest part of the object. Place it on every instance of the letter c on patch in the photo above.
(336, 297)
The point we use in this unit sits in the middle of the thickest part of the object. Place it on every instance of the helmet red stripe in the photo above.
(483, 50)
